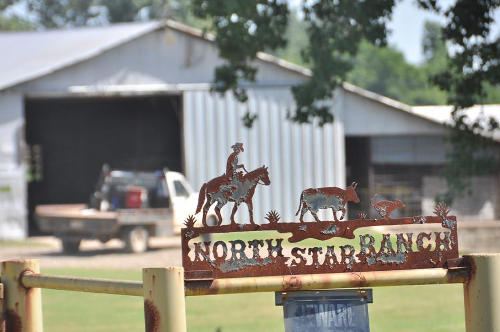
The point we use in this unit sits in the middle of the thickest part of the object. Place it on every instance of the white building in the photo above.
(137, 96)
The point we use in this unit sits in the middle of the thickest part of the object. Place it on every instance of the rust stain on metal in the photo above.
(286, 256)
(13, 321)
(151, 316)
(291, 283)
(472, 275)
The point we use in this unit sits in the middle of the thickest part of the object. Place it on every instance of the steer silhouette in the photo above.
(335, 198)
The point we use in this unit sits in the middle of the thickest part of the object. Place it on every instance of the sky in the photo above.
(407, 27)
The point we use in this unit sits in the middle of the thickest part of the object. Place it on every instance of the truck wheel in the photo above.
(136, 239)
(211, 221)
(70, 246)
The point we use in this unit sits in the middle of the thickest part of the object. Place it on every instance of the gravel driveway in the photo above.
(93, 254)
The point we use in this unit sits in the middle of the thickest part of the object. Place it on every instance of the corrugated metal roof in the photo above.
(442, 114)
(29, 55)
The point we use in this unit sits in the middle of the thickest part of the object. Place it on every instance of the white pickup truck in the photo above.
(128, 205)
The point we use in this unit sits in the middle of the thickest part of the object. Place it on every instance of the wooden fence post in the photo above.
(164, 302)
(23, 306)
(482, 293)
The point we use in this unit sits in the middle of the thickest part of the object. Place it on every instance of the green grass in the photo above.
(404, 308)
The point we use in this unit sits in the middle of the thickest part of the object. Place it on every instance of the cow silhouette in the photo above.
(334, 198)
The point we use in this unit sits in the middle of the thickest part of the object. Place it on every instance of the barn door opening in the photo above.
(71, 138)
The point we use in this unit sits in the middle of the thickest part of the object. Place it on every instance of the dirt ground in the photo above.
(93, 254)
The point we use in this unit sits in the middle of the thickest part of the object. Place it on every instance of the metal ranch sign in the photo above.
(284, 254)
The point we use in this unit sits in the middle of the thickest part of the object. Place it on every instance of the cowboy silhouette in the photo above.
(232, 165)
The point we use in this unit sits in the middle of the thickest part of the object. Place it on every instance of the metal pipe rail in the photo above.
(255, 284)
(326, 281)
(90, 285)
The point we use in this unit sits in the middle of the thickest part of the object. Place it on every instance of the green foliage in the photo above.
(54, 14)
(14, 23)
(243, 28)
(471, 153)
(120, 10)
(335, 30)
(296, 36)
(6, 3)
(384, 70)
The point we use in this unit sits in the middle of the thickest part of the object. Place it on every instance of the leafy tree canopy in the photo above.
(344, 33)
(337, 40)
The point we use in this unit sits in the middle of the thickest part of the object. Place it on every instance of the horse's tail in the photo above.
(300, 203)
(201, 197)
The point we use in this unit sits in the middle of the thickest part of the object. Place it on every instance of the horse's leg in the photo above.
(235, 207)
(343, 213)
(219, 216)
(250, 211)
(206, 207)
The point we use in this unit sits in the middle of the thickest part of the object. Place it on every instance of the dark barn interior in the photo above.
(76, 136)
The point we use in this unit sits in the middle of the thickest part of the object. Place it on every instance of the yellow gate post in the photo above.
(482, 293)
(2, 311)
(164, 302)
(23, 306)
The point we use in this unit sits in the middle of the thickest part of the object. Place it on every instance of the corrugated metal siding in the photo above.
(298, 156)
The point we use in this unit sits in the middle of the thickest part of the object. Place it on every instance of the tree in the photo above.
(12, 22)
(54, 14)
(384, 70)
(297, 40)
(335, 31)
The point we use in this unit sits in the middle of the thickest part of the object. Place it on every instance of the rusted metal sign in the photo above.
(285, 254)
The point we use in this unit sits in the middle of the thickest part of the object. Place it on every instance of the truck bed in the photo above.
(74, 219)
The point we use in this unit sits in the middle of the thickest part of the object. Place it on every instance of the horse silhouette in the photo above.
(221, 190)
